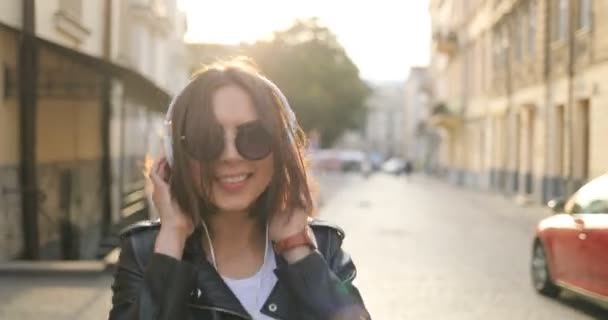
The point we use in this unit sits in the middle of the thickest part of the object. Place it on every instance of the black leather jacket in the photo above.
(149, 285)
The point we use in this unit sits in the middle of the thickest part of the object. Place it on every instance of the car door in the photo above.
(596, 229)
(589, 211)
(566, 250)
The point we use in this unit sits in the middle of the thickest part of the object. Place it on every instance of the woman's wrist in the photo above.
(170, 243)
(296, 254)
(297, 246)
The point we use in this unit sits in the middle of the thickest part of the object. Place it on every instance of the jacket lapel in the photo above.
(210, 293)
(279, 303)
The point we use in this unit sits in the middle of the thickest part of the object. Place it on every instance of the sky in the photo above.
(384, 38)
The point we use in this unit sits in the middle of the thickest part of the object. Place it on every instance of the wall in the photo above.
(10, 200)
(92, 19)
(10, 13)
(69, 168)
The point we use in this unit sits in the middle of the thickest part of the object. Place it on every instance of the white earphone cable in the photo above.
(262, 268)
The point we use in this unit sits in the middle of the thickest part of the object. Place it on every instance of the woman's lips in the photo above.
(233, 183)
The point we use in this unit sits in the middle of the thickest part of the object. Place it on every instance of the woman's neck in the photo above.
(238, 243)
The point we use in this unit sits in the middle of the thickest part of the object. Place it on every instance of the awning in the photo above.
(136, 84)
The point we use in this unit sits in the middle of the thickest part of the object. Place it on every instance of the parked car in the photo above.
(570, 249)
(394, 165)
(337, 159)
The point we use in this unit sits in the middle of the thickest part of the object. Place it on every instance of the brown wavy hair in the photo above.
(288, 189)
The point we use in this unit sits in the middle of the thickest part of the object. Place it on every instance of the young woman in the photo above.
(234, 240)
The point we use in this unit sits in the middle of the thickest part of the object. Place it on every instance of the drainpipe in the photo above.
(106, 178)
(571, 72)
(548, 191)
(508, 124)
(28, 91)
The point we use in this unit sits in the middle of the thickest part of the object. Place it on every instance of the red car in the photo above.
(570, 249)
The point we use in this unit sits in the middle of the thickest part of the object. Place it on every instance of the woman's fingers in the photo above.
(154, 173)
(159, 176)
(163, 169)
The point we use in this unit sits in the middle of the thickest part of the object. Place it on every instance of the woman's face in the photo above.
(236, 181)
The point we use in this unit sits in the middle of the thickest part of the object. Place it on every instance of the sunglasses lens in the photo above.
(253, 141)
(205, 146)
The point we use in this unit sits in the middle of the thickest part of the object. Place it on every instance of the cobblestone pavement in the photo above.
(427, 250)
(424, 250)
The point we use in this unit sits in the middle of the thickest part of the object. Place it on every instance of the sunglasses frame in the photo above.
(257, 123)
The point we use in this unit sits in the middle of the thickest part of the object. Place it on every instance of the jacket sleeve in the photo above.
(324, 285)
(155, 290)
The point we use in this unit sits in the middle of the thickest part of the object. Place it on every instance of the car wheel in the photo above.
(541, 277)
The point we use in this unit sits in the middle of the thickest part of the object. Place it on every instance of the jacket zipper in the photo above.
(221, 310)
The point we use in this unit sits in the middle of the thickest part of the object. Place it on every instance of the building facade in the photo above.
(384, 128)
(519, 93)
(420, 140)
(77, 143)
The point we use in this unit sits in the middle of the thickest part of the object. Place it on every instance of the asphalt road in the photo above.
(428, 250)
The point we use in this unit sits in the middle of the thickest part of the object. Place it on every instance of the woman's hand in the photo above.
(284, 225)
(176, 226)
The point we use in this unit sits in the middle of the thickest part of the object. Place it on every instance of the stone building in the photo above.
(520, 93)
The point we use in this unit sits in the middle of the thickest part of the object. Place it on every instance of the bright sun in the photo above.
(232, 22)
(383, 37)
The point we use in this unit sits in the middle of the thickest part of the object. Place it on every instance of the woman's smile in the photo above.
(233, 182)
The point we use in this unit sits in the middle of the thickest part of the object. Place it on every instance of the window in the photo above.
(591, 198)
(532, 27)
(560, 20)
(72, 7)
(584, 14)
(521, 35)
(500, 44)
(563, 19)
(495, 49)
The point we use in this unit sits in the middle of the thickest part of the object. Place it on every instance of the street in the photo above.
(424, 250)
(428, 250)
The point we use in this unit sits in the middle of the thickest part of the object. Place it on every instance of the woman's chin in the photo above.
(233, 206)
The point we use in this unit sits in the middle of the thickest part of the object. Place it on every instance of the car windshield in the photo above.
(591, 198)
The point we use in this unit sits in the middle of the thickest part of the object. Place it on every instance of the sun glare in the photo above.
(233, 22)
(378, 35)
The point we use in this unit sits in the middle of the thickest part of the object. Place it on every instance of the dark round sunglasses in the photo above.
(252, 141)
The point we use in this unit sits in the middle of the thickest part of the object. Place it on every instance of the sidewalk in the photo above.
(61, 296)
(488, 200)
(58, 267)
(64, 290)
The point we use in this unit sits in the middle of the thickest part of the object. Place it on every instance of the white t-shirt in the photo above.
(252, 292)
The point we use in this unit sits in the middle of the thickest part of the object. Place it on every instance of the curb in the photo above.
(22, 267)
(61, 267)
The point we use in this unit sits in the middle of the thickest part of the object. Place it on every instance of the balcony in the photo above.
(154, 12)
(445, 42)
(442, 116)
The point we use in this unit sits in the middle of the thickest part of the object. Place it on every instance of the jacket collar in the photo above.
(212, 293)
(279, 302)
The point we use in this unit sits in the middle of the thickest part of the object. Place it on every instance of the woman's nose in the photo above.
(230, 151)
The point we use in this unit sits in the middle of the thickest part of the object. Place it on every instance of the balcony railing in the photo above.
(443, 116)
(445, 42)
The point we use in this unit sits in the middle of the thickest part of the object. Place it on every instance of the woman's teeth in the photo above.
(234, 179)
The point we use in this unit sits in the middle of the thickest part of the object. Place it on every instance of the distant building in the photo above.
(385, 122)
(420, 140)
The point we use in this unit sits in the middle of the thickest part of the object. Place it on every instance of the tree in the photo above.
(315, 73)
(313, 70)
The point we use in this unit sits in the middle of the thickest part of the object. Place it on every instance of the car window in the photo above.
(591, 198)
